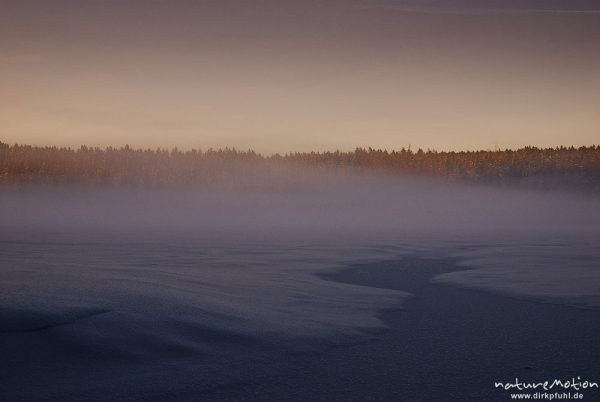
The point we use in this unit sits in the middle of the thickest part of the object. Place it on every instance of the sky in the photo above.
(283, 75)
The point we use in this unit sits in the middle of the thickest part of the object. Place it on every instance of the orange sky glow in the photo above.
(279, 76)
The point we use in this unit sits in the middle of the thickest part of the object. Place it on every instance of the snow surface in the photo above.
(136, 292)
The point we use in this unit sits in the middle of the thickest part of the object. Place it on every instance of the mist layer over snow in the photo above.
(312, 203)
(148, 282)
(539, 243)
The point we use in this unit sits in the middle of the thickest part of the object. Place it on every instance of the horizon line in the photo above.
(408, 148)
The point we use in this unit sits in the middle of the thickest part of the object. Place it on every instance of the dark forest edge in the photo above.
(541, 168)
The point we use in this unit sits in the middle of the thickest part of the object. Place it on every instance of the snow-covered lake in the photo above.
(108, 290)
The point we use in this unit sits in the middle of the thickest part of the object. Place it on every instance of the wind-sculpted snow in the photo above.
(168, 312)
(556, 267)
(245, 288)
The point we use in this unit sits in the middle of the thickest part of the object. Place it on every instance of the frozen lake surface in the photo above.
(107, 295)
(140, 315)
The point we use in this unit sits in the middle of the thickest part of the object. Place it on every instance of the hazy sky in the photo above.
(300, 75)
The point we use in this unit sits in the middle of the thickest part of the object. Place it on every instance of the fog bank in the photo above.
(322, 201)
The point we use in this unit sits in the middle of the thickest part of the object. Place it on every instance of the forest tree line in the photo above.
(570, 167)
